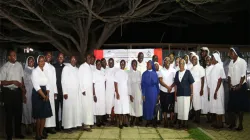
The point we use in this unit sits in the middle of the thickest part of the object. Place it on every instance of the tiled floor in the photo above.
(129, 133)
(226, 134)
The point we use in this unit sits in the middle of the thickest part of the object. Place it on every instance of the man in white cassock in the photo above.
(141, 65)
(198, 73)
(50, 72)
(86, 91)
(110, 88)
(104, 64)
(92, 63)
(71, 103)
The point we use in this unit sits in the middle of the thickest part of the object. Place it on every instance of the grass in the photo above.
(197, 134)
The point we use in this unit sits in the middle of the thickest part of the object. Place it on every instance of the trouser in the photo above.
(13, 108)
(58, 104)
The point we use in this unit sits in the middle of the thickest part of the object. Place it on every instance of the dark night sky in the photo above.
(235, 32)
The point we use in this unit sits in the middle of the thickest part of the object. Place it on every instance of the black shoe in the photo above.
(51, 131)
(38, 138)
(20, 136)
(231, 127)
(44, 137)
(98, 124)
(9, 138)
(239, 128)
(45, 133)
(125, 125)
(121, 126)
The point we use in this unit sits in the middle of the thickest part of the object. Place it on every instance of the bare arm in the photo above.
(202, 86)
(218, 85)
(229, 82)
(162, 83)
(116, 91)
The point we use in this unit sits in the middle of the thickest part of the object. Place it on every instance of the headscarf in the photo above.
(192, 54)
(237, 51)
(198, 59)
(217, 58)
(153, 66)
(205, 49)
(27, 62)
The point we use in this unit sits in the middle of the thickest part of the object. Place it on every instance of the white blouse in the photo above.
(181, 74)
(237, 70)
(39, 78)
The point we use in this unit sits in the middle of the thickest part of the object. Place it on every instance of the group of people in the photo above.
(65, 96)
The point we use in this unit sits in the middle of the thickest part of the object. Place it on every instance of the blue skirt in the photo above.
(40, 109)
(238, 100)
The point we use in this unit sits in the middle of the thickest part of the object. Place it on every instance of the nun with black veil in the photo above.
(238, 99)
(41, 108)
(27, 118)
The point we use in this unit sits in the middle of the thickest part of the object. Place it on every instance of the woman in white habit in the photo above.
(198, 73)
(217, 90)
(134, 89)
(99, 92)
(27, 118)
(122, 97)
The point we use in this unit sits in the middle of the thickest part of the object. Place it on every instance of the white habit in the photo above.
(71, 107)
(197, 72)
(86, 85)
(122, 105)
(217, 72)
(27, 108)
(99, 81)
(50, 72)
(205, 104)
(134, 89)
(110, 89)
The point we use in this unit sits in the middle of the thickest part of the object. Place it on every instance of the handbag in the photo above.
(191, 112)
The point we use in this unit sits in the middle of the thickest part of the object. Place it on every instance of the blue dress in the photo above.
(40, 109)
(150, 89)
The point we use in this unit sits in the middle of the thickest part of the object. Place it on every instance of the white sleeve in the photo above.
(160, 74)
(64, 80)
(129, 84)
(94, 77)
(54, 81)
(222, 73)
(243, 68)
(229, 69)
(202, 72)
(34, 79)
(81, 76)
(3, 73)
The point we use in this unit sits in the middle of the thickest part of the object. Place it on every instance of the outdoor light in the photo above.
(28, 50)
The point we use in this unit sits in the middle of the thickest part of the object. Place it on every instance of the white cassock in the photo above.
(93, 67)
(197, 72)
(71, 107)
(134, 89)
(110, 89)
(86, 85)
(205, 105)
(141, 67)
(217, 106)
(122, 105)
(50, 72)
(99, 81)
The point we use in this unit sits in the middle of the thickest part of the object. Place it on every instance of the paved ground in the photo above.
(226, 134)
(135, 133)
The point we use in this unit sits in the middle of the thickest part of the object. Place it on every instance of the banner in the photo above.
(128, 55)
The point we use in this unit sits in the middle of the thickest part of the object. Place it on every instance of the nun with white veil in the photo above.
(217, 90)
(205, 99)
(135, 92)
(198, 73)
(188, 64)
(27, 108)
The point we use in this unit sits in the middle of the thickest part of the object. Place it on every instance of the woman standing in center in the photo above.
(121, 96)
(99, 92)
(134, 84)
(184, 83)
(41, 108)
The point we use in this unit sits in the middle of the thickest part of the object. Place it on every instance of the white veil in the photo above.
(27, 62)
